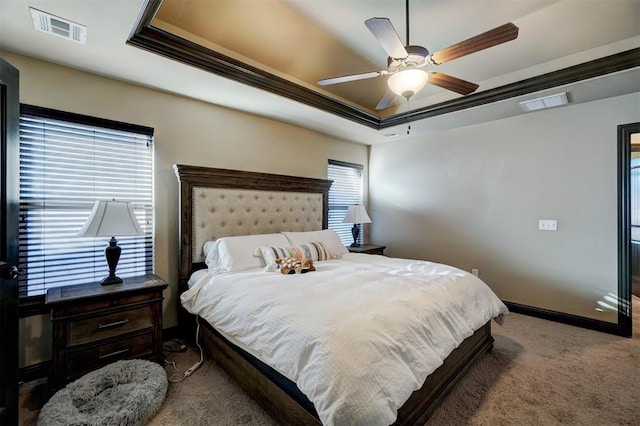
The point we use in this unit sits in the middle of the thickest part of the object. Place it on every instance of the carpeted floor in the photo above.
(539, 373)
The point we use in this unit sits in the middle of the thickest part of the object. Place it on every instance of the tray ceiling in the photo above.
(265, 56)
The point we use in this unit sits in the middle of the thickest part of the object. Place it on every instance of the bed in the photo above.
(216, 204)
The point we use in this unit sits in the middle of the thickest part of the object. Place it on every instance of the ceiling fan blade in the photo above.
(352, 77)
(502, 34)
(383, 30)
(452, 83)
(386, 100)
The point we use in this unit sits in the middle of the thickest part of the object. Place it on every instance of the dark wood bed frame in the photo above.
(279, 401)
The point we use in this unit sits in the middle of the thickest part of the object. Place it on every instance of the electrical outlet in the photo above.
(548, 225)
(474, 271)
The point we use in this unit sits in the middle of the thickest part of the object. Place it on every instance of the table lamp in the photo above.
(356, 215)
(111, 218)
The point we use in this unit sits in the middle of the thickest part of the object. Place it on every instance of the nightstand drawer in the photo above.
(97, 305)
(110, 325)
(85, 360)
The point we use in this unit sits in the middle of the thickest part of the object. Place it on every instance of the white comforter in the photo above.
(357, 336)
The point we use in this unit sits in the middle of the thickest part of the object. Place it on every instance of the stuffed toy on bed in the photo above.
(291, 265)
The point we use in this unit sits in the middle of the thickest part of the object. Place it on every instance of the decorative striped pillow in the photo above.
(315, 251)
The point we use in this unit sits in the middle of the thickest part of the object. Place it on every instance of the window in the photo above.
(346, 190)
(67, 161)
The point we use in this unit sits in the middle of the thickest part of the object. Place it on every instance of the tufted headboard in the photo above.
(217, 203)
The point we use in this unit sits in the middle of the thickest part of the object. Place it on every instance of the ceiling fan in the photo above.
(406, 64)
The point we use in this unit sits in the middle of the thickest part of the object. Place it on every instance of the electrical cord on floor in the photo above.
(195, 366)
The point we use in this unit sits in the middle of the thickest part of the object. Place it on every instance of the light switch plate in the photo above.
(548, 225)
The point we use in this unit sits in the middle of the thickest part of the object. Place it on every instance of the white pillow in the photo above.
(326, 236)
(231, 254)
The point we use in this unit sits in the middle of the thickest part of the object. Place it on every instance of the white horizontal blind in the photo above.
(346, 190)
(64, 167)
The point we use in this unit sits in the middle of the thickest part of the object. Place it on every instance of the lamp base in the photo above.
(112, 253)
(111, 280)
(355, 231)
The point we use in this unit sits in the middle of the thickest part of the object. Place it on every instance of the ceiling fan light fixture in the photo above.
(408, 82)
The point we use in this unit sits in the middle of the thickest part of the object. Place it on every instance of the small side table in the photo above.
(367, 249)
(94, 325)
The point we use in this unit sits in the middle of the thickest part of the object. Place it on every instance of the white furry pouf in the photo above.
(123, 393)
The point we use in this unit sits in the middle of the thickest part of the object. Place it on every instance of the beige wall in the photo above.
(186, 132)
(472, 197)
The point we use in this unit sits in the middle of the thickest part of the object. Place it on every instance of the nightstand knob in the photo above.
(114, 302)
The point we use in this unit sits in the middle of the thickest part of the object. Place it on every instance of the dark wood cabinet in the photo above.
(94, 325)
(367, 249)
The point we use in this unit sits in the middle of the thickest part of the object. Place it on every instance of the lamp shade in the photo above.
(356, 214)
(110, 218)
(408, 82)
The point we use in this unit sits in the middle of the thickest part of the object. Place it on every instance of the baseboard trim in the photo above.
(34, 372)
(578, 321)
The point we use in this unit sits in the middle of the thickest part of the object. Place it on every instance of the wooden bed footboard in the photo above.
(423, 402)
(275, 401)
(287, 411)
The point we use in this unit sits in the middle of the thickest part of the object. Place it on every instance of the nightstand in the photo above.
(94, 325)
(367, 249)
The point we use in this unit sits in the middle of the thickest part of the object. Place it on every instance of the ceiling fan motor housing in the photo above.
(417, 56)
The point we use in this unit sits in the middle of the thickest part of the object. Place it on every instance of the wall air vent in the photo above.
(546, 102)
(60, 27)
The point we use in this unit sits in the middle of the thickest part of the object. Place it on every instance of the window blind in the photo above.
(65, 165)
(346, 190)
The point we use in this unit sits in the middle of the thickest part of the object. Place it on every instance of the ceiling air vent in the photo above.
(60, 27)
(390, 135)
(546, 102)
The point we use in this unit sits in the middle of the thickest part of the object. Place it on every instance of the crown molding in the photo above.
(145, 36)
